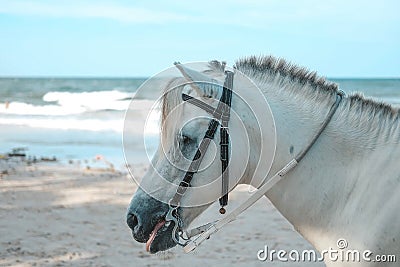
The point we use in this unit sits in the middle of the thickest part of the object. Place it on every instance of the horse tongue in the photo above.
(153, 234)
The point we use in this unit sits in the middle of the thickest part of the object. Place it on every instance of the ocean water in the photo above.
(71, 119)
(82, 119)
(387, 90)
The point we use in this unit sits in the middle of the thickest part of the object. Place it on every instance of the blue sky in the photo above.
(339, 38)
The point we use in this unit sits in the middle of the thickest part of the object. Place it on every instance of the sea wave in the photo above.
(67, 124)
(392, 100)
(71, 103)
(150, 127)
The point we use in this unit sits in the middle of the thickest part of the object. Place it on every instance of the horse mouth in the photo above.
(160, 238)
(154, 234)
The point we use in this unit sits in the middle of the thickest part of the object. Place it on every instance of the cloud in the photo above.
(243, 13)
(89, 10)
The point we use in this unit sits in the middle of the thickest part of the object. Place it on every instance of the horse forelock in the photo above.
(171, 98)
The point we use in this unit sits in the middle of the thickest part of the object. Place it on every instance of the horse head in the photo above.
(185, 127)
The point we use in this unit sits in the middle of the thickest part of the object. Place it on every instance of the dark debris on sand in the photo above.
(17, 156)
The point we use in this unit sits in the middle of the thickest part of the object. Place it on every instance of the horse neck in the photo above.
(301, 195)
(318, 196)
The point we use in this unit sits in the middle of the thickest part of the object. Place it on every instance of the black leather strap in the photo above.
(198, 103)
(221, 113)
(195, 164)
(224, 136)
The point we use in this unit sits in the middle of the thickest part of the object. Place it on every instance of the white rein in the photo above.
(205, 231)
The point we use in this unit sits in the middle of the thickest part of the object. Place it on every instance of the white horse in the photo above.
(346, 187)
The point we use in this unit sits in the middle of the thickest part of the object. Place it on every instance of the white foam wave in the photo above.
(19, 108)
(66, 124)
(65, 111)
(73, 123)
(98, 100)
(67, 103)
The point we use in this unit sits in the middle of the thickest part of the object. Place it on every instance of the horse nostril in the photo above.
(131, 220)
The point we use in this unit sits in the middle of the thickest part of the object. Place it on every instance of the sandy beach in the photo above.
(67, 215)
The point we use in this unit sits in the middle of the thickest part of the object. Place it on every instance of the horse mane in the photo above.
(267, 66)
(358, 109)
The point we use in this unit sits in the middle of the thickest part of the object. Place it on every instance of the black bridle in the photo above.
(221, 116)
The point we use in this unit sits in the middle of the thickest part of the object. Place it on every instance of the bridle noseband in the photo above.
(221, 116)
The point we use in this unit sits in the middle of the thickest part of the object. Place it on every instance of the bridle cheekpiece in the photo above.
(221, 116)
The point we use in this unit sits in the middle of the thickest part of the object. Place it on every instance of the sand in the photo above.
(66, 215)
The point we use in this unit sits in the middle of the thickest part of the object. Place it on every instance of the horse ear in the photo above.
(201, 83)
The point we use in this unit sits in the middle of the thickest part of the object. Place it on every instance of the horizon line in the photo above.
(147, 77)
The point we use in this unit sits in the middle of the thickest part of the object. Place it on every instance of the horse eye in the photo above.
(185, 140)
